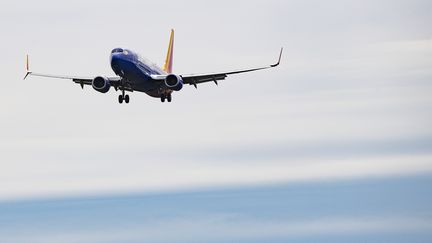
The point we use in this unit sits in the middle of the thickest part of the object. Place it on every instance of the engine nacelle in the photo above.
(101, 84)
(174, 82)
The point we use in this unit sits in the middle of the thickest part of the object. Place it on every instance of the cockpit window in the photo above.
(117, 50)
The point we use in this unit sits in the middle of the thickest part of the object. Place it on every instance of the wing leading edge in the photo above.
(76, 79)
(194, 79)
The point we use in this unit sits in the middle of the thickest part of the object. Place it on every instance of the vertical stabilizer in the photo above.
(169, 57)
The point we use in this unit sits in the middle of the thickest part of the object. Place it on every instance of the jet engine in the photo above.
(174, 82)
(101, 84)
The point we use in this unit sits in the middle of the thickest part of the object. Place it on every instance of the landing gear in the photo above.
(123, 97)
(167, 97)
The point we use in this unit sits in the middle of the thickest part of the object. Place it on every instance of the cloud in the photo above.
(89, 176)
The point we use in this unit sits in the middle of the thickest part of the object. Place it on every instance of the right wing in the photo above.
(77, 79)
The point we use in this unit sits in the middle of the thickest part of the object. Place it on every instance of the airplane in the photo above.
(135, 73)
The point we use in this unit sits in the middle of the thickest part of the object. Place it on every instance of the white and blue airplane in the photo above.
(137, 74)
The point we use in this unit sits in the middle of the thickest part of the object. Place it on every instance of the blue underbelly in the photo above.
(138, 77)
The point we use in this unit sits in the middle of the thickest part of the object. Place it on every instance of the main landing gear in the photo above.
(166, 97)
(123, 97)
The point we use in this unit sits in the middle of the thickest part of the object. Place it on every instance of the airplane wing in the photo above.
(76, 79)
(194, 79)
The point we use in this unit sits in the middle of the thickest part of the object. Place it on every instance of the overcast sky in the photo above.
(353, 74)
(350, 100)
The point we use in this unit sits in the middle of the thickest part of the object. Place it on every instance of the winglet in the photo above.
(280, 56)
(169, 57)
(27, 67)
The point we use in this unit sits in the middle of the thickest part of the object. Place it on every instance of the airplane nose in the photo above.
(115, 63)
(114, 59)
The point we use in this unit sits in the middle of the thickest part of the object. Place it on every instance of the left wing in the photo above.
(194, 79)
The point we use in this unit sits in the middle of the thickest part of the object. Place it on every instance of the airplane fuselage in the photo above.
(136, 72)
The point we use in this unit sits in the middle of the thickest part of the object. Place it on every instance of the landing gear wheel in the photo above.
(126, 98)
(169, 97)
(120, 99)
(162, 98)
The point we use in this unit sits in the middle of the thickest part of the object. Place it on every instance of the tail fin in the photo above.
(169, 57)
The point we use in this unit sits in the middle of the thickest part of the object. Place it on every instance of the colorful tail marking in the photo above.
(169, 57)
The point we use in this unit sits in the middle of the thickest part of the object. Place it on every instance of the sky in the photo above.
(350, 103)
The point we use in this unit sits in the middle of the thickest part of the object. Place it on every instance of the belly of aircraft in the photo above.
(137, 78)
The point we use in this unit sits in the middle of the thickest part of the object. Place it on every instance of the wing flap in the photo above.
(196, 79)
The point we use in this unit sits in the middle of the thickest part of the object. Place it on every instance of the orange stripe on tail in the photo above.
(169, 57)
